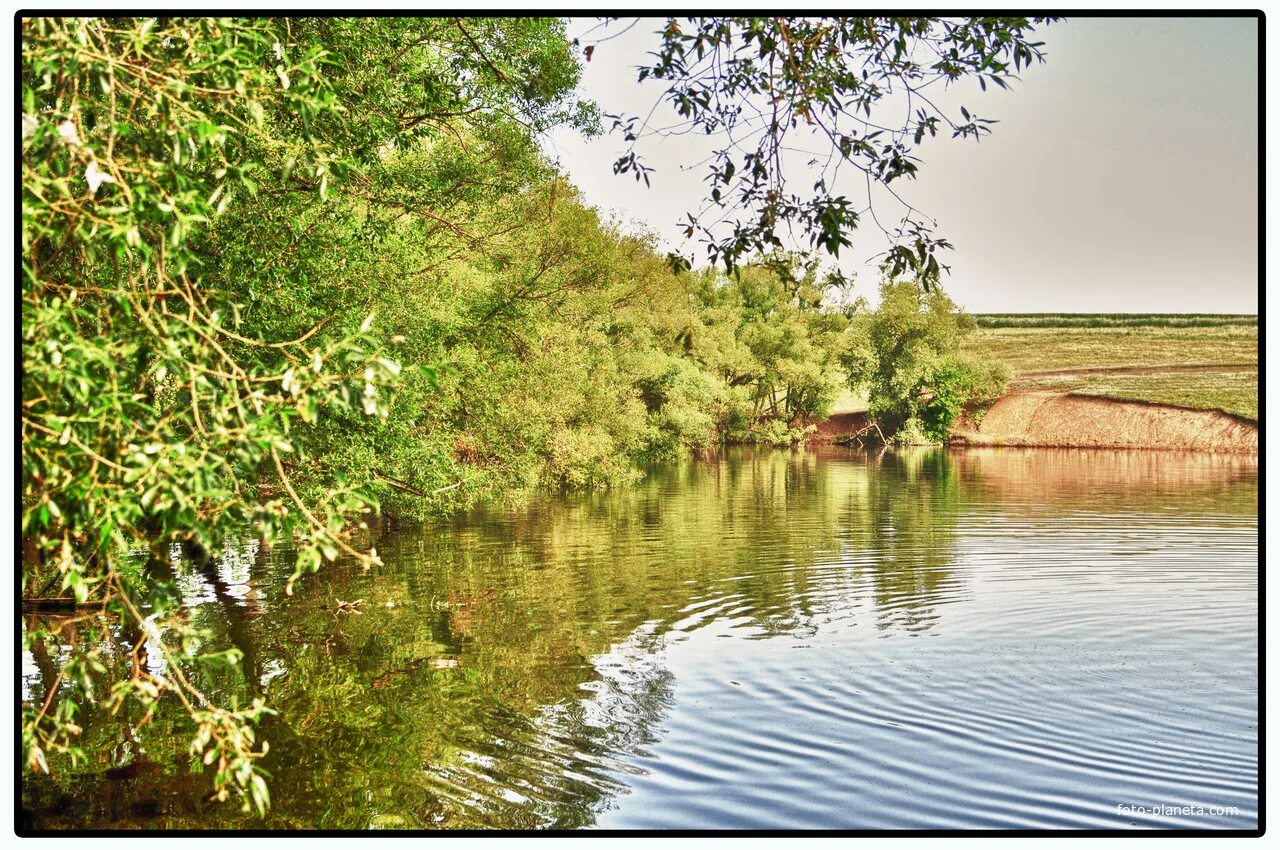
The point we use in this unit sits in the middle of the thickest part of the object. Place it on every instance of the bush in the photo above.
(913, 433)
(687, 406)
(586, 458)
(776, 432)
(957, 383)
(905, 355)
(773, 432)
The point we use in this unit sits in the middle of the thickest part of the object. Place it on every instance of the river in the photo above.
(759, 639)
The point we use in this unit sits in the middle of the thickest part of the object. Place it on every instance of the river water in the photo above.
(759, 639)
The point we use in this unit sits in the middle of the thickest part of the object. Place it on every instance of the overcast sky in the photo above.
(1122, 177)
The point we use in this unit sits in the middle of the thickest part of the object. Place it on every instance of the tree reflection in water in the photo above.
(506, 667)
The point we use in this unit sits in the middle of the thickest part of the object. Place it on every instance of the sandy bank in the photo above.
(1072, 420)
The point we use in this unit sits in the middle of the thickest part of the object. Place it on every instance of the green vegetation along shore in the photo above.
(285, 277)
(282, 274)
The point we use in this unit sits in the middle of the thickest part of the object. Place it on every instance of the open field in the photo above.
(1232, 392)
(1113, 320)
(1204, 365)
(1037, 349)
(1203, 361)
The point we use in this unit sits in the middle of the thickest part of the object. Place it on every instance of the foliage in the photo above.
(906, 354)
(764, 85)
(688, 407)
(770, 332)
(961, 383)
(161, 158)
(912, 433)
(280, 274)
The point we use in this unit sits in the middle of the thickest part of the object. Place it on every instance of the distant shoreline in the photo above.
(1077, 420)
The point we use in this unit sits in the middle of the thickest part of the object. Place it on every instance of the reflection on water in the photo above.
(820, 638)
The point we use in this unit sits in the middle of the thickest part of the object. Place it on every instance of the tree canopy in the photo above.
(863, 88)
(280, 275)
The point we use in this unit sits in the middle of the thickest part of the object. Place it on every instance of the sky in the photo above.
(1122, 176)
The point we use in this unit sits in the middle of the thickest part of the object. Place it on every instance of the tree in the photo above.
(906, 355)
(768, 329)
(155, 419)
(277, 272)
(861, 87)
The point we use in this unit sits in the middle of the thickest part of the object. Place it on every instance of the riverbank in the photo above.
(1054, 419)
(1183, 383)
(1201, 367)
(1072, 420)
(1153, 382)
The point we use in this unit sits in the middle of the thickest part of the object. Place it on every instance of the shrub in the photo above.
(776, 432)
(913, 433)
(958, 382)
(905, 355)
(687, 408)
(586, 457)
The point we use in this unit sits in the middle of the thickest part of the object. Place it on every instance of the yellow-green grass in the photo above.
(849, 401)
(1107, 320)
(1035, 349)
(1032, 350)
(1234, 392)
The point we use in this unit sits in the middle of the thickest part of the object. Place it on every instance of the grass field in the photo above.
(1037, 349)
(1113, 320)
(849, 402)
(1205, 361)
(1211, 362)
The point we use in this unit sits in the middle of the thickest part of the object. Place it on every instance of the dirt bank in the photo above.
(1074, 420)
(839, 426)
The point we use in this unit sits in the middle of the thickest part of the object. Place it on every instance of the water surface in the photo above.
(807, 639)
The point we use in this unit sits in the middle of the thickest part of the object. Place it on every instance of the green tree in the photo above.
(906, 356)
(760, 85)
(279, 274)
(154, 415)
(769, 330)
